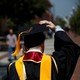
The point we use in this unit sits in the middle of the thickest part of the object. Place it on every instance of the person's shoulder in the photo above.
(11, 66)
(11, 71)
(8, 35)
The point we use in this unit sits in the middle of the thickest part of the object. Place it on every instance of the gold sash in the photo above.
(45, 68)
(19, 67)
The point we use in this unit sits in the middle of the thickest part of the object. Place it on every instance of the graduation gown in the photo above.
(66, 55)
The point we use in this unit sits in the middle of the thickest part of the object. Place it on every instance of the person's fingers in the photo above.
(44, 22)
(48, 24)
(51, 26)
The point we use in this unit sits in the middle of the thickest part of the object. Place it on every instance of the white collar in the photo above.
(34, 50)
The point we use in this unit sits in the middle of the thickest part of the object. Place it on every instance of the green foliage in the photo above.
(75, 20)
(21, 11)
(29, 22)
(60, 21)
(10, 23)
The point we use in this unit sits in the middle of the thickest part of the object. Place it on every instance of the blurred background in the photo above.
(17, 13)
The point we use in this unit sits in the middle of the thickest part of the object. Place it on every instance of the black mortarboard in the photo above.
(33, 36)
(32, 29)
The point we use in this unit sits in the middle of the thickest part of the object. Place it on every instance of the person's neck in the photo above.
(37, 49)
(11, 34)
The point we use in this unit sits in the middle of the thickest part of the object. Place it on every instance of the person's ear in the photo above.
(24, 49)
(42, 47)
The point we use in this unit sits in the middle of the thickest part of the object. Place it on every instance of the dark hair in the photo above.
(33, 40)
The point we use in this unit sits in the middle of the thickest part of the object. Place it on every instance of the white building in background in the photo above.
(63, 8)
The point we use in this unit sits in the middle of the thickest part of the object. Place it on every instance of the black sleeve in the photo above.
(61, 39)
(66, 56)
(12, 74)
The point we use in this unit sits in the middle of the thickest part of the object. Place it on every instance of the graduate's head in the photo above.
(34, 40)
(33, 36)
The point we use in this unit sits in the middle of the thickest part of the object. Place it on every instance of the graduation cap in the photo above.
(33, 36)
(32, 29)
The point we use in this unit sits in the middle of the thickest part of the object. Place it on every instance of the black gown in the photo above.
(66, 55)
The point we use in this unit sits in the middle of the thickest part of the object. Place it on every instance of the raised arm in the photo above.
(66, 52)
(60, 37)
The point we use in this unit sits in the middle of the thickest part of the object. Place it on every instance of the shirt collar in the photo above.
(34, 50)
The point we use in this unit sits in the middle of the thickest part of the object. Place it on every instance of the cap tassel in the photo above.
(17, 46)
(16, 52)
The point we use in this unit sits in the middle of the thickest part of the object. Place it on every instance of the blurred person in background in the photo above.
(11, 42)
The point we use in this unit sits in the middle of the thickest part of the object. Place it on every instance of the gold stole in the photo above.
(45, 67)
(19, 67)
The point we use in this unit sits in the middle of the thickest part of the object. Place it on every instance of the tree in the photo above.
(75, 20)
(59, 21)
(21, 11)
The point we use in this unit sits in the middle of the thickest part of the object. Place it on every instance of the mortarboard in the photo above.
(32, 29)
(33, 36)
